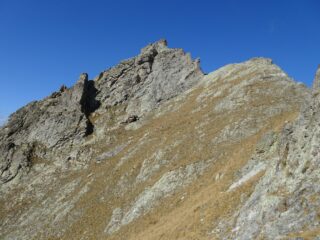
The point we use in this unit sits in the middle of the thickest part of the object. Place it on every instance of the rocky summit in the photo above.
(153, 148)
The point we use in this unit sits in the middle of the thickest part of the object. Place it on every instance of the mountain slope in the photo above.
(154, 149)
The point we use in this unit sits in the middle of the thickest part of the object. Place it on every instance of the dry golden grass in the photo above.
(205, 199)
(306, 234)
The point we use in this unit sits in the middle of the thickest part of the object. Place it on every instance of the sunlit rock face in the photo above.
(286, 201)
(155, 149)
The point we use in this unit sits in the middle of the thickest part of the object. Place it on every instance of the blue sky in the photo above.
(44, 44)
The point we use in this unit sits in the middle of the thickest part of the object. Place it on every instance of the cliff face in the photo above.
(46, 130)
(154, 149)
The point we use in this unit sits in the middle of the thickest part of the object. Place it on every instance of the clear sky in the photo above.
(47, 43)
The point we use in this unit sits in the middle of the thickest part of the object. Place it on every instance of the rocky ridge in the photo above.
(287, 199)
(135, 87)
(155, 149)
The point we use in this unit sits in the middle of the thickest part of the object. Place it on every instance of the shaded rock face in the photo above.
(154, 149)
(48, 129)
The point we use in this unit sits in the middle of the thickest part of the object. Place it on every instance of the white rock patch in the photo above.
(259, 168)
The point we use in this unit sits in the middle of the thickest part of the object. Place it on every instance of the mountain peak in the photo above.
(159, 46)
(154, 149)
(261, 60)
(157, 74)
(316, 81)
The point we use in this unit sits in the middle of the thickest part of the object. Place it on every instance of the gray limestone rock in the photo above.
(17, 158)
(287, 199)
(54, 127)
(316, 81)
(157, 74)
(58, 125)
(151, 147)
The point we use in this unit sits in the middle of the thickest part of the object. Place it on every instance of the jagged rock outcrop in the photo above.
(154, 149)
(48, 130)
(157, 74)
(138, 85)
(316, 81)
(55, 128)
